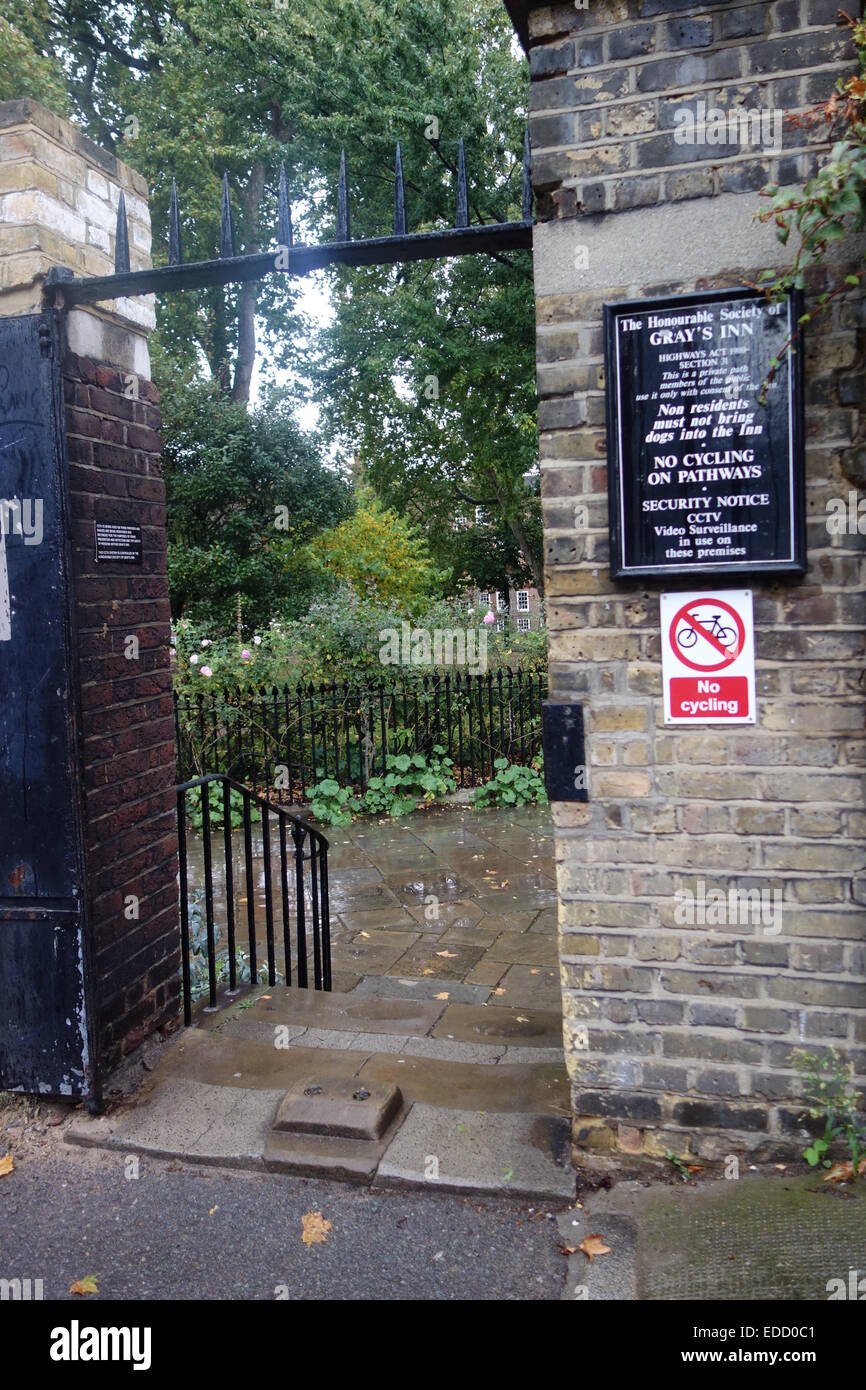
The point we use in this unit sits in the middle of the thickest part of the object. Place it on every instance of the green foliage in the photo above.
(513, 785)
(835, 1100)
(245, 493)
(678, 1163)
(198, 960)
(337, 639)
(379, 555)
(202, 88)
(332, 804)
(407, 780)
(831, 204)
(216, 808)
(28, 66)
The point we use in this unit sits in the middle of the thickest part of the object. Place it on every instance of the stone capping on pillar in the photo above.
(58, 207)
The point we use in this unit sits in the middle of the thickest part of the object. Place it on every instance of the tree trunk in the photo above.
(245, 359)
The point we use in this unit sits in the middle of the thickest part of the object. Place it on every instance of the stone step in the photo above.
(309, 1018)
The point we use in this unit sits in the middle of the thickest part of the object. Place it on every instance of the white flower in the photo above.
(194, 659)
(205, 641)
(257, 640)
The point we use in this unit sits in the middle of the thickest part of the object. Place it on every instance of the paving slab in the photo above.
(522, 948)
(486, 973)
(448, 962)
(395, 916)
(184, 1117)
(439, 882)
(542, 1089)
(458, 913)
(516, 1155)
(353, 1012)
(393, 986)
(531, 986)
(373, 952)
(512, 1027)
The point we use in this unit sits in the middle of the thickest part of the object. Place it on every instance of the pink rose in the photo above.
(245, 655)
(489, 617)
(206, 671)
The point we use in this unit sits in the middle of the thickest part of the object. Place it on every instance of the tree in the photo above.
(246, 493)
(203, 88)
(375, 551)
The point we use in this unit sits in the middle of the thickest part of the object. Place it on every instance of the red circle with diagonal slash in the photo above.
(727, 654)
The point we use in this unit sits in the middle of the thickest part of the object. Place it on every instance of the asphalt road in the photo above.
(204, 1233)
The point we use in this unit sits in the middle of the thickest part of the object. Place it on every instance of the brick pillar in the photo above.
(679, 1036)
(59, 208)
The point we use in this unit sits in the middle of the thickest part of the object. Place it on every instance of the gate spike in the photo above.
(399, 196)
(462, 189)
(121, 238)
(527, 179)
(227, 236)
(343, 232)
(285, 233)
(175, 248)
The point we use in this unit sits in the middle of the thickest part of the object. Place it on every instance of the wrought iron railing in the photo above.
(286, 739)
(301, 896)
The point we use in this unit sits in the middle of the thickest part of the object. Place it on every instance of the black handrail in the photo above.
(310, 851)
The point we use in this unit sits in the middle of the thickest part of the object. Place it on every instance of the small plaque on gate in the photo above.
(117, 544)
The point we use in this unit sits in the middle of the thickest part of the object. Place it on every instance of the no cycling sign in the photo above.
(708, 657)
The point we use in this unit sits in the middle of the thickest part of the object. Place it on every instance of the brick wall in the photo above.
(679, 1035)
(127, 733)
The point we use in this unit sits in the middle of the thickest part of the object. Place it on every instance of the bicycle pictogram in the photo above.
(725, 636)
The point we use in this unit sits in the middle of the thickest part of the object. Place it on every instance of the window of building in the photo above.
(501, 602)
(523, 600)
(522, 624)
(500, 626)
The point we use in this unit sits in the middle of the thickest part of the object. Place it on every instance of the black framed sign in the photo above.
(703, 478)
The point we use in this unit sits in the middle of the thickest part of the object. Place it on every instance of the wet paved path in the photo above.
(458, 896)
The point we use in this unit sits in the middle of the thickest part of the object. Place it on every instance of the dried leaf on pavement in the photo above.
(314, 1228)
(6, 1165)
(594, 1245)
(84, 1286)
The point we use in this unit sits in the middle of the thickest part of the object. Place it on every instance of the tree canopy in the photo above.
(426, 372)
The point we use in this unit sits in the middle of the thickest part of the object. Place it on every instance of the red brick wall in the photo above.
(126, 734)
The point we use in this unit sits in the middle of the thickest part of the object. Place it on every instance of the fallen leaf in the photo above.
(780, 1167)
(695, 1168)
(448, 955)
(498, 991)
(567, 1249)
(365, 933)
(266, 996)
(314, 1228)
(533, 972)
(844, 1172)
(594, 1245)
(443, 995)
(212, 1210)
(522, 1019)
(84, 1286)
(426, 972)
(6, 1165)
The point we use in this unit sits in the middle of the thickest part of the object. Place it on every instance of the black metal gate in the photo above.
(44, 1006)
(275, 931)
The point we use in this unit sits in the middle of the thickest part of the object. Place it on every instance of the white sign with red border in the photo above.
(708, 657)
